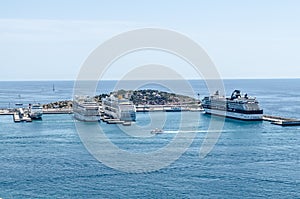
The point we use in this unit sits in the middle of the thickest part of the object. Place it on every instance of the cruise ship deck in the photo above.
(121, 109)
(86, 109)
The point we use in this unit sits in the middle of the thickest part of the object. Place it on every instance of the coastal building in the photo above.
(86, 109)
(119, 108)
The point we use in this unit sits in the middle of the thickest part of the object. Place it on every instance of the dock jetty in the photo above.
(120, 107)
(22, 114)
(58, 111)
(281, 120)
(19, 114)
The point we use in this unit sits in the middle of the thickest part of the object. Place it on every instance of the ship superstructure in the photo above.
(86, 109)
(121, 109)
(35, 111)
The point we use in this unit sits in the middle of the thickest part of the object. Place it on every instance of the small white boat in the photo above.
(157, 131)
(35, 111)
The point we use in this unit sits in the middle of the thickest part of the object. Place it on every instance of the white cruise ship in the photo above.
(121, 109)
(86, 109)
(236, 106)
(35, 111)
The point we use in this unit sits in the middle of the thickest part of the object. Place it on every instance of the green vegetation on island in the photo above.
(154, 97)
(138, 97)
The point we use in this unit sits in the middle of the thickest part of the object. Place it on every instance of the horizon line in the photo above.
(48, 80)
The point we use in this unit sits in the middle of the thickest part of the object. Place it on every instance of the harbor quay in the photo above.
(276, 120)
(168, 108)
(45, 111)
(22, 114)
(120, 107)
(25, 114)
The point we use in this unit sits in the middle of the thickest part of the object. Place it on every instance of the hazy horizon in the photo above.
(53, 80)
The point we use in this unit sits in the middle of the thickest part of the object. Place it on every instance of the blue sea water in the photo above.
(46, 159)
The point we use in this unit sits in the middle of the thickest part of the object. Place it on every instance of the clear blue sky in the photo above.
(50, 39)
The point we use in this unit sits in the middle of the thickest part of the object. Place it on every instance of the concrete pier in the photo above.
(16, 117)
(167, 108)
(58, 111)
(21, 115)
(281, 120)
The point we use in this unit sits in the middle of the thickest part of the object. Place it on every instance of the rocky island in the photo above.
(144, 100)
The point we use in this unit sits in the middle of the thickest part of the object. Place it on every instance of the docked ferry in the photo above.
(86, 109)
(121, 109)
(237, 106)
(35, 111)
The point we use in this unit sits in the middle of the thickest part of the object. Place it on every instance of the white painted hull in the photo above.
(86, 118)
(125, 116)
(234, 115)
(111, 114)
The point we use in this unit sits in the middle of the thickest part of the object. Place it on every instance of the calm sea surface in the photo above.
(46, 159)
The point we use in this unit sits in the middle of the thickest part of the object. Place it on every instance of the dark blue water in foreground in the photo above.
(46, 159)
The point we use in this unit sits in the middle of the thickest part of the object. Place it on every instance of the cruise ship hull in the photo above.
(234, 115)
(36, 116)
(124, 116)
(85, 118)
(86, 109)
(35, 111)
(121, 109)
